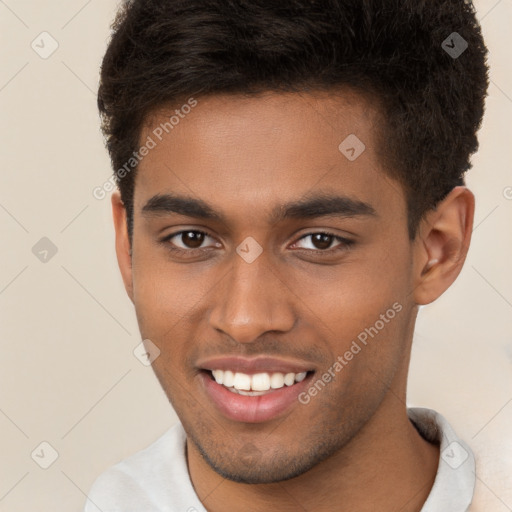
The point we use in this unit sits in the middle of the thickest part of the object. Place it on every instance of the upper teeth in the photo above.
(258, 381)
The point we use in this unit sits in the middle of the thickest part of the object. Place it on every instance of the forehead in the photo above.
(251, 154)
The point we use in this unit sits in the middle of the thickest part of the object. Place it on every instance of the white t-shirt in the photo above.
(156, 479)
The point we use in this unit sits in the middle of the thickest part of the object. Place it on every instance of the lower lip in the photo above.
(252, 409)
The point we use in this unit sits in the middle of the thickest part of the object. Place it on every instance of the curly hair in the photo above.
(163, 52)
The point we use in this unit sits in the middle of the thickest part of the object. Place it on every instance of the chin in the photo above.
(264, 474)
(249, 466)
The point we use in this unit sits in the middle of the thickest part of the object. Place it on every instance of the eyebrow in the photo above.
(309, 207)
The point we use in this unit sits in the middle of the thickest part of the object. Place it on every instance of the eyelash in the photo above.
(345, 243)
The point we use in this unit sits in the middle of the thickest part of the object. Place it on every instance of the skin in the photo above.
(353, 441)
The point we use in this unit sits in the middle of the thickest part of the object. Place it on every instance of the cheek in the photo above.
(354, 297)
(165, 293)
(365, 317)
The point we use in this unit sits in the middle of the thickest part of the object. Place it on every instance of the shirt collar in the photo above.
(455, 479)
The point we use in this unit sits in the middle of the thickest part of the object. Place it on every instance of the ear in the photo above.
(123, 248)
(441, 245)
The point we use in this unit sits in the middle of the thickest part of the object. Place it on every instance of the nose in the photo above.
(251, 300)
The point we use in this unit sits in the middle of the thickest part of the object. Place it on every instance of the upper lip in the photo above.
(254, 365)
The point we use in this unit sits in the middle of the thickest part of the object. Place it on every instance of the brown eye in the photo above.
(192, 239)
(322, 241)
(186, 241)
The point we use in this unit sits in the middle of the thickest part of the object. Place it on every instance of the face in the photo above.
(266, 257)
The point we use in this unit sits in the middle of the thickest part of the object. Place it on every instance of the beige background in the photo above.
(68, 375)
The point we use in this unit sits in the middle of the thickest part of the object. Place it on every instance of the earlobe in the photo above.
(123, 246)
(442, 244)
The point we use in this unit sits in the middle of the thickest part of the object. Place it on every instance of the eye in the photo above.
(190, 240)
(322, 242)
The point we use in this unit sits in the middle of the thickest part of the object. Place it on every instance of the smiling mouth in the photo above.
(256, 384)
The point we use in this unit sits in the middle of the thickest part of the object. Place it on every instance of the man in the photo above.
(290, 192)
